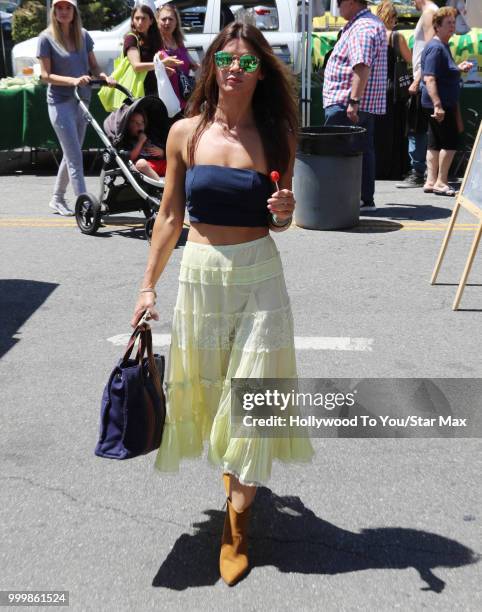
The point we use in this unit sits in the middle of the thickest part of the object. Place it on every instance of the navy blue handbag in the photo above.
(133, 407)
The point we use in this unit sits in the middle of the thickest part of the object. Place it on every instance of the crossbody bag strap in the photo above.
(138, 44)
(396, 46)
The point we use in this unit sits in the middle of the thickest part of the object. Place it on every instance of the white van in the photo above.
(201, 21)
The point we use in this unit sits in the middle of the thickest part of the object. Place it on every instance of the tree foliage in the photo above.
(28, 20)
(31, 17)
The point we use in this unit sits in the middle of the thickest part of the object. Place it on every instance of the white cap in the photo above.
(72, 2)
(160, 3)
(149, 3)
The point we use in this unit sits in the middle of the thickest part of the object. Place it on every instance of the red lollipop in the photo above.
(274, 176)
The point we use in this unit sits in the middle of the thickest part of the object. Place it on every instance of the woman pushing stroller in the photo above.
(66, 56)
(232, 317)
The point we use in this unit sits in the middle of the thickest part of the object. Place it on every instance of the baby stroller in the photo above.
(122, 187)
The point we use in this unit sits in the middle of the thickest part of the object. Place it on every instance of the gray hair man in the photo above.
(355, 82)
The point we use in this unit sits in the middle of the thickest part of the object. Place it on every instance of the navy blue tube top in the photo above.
(221, 195)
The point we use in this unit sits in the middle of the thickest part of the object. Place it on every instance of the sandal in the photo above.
(427, 189)
(444, 192)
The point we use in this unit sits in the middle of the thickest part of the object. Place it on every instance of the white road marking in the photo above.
(302, 343)
(321, 343)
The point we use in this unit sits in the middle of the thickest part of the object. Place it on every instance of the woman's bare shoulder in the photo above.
(184, 127)
(180, 134)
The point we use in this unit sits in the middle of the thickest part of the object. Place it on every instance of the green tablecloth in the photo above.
(12, 118)
(26, 123)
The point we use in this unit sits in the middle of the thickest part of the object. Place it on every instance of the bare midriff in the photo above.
(206, 233)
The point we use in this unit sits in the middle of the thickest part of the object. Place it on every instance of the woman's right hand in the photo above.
(438, 114)
(170, 61)
(81, 81)
(145, 301)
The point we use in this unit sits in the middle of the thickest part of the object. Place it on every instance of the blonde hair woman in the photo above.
(65, 53)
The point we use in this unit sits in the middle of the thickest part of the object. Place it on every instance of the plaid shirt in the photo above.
(363, 40)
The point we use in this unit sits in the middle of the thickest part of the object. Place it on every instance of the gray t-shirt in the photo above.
(65, 63)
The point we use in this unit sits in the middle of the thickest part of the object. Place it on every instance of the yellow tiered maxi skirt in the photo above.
(232, 319)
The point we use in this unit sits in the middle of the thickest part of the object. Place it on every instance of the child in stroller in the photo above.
(123, 188)
(147, 155)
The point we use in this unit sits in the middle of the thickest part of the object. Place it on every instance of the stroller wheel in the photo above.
(149, 227)
(87, 213)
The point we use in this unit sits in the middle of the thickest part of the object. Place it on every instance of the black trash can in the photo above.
(327, 177)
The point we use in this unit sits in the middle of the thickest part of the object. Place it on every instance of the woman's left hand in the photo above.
(465, 66)
(282, 204)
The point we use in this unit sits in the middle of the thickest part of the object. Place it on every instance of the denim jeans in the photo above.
(69, 124)
(336, 115)
(417, 151)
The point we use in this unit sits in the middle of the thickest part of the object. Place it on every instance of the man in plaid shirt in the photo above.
(355, 83)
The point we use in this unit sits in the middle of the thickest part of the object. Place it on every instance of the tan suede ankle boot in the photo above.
(233, 560)
(227, 482)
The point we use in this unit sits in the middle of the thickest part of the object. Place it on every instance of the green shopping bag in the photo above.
(110, 97)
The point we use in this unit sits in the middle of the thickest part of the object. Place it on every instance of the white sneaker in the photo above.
(61, 207)
(366, 207)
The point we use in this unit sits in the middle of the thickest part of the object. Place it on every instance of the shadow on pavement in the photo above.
(374, 226)
(19, 299)
(130, 227)
(286, 534)
(415, 212)
(365, 226)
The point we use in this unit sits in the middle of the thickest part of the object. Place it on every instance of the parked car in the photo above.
(262, 16)
(6, 11)
(201, 21)
(6, 21)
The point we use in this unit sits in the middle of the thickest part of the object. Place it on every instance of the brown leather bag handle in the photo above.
(132, 340)
(144, 334)
(145, 348)
(130, 344)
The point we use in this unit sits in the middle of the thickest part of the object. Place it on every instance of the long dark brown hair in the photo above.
(153, 37)
(274, 103)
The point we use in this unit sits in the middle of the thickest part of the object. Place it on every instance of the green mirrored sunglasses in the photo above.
(247, 62)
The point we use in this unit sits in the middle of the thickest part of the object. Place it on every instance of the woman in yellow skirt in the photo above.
(232, 317)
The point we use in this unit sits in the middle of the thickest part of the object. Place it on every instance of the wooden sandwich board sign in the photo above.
(470, 198)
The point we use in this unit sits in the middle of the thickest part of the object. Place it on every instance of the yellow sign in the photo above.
(331, 22)
(463, 47)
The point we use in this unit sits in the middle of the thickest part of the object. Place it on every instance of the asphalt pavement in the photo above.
(385, 524)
